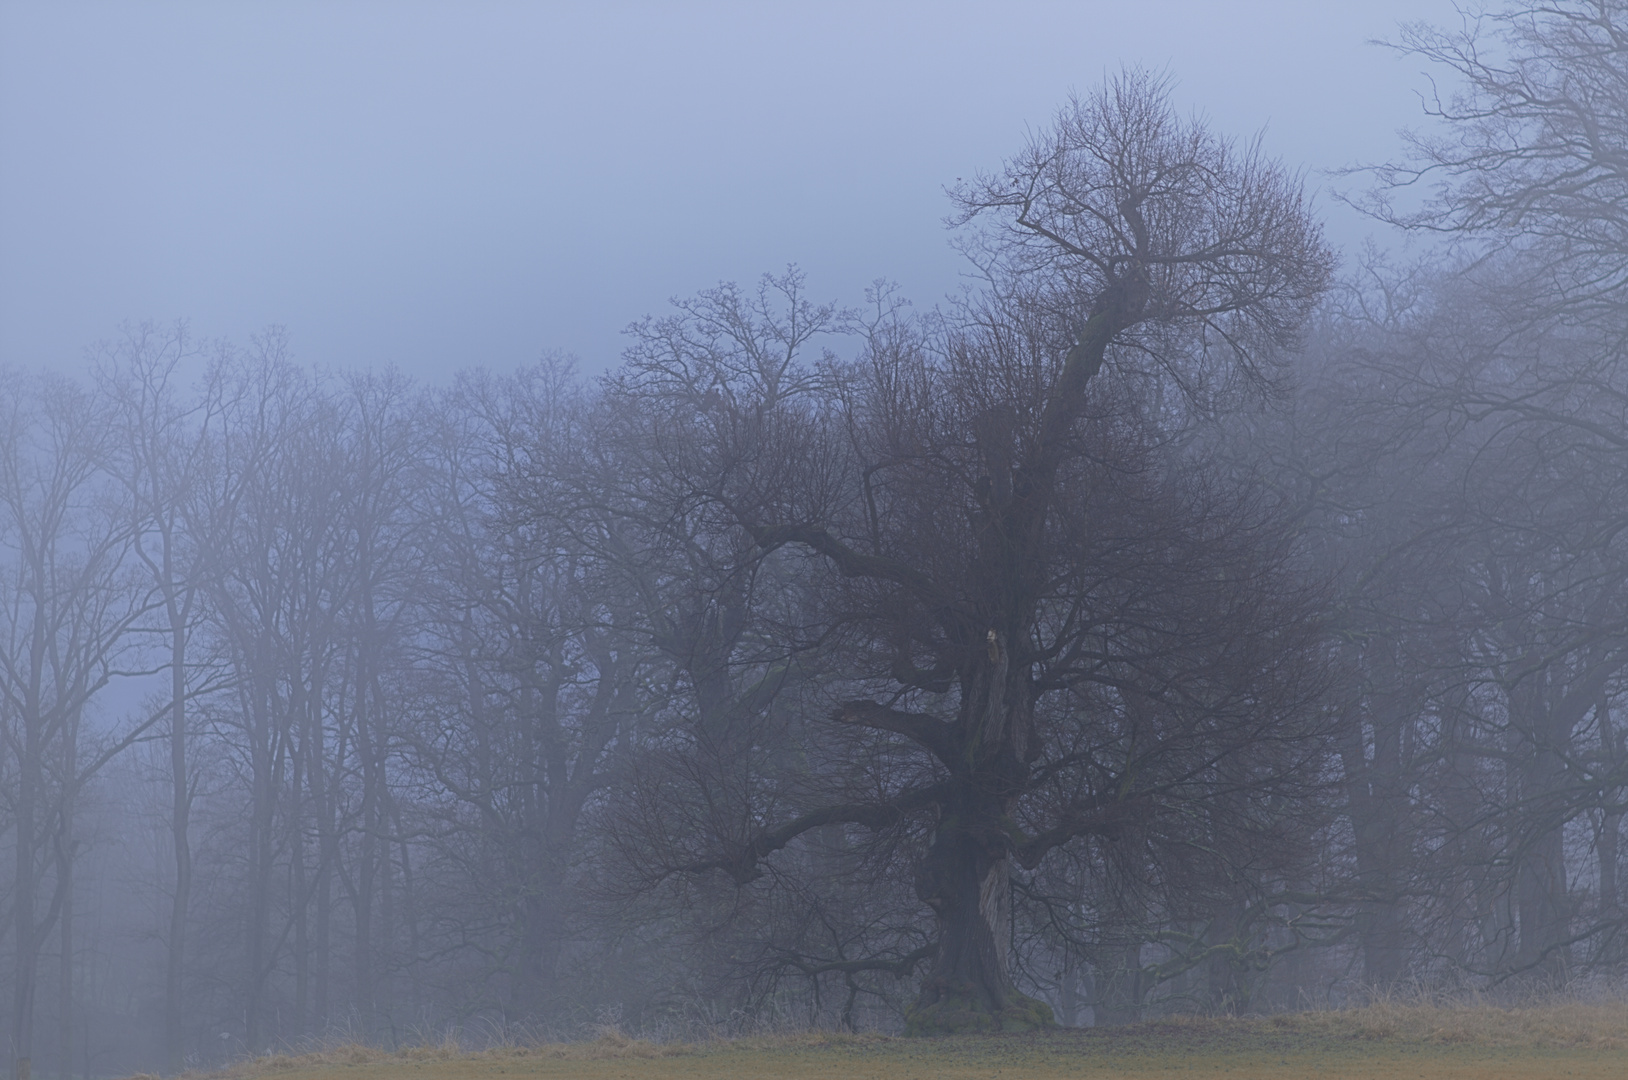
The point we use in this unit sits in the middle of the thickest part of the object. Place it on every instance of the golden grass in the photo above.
(1602, 1025)
(1381, 1041)
(611, 1045)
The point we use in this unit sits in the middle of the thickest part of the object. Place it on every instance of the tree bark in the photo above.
(966, 875)
(22, 909)
(180, 815)
(65, 1001)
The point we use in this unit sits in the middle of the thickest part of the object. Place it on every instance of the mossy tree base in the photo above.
(957, 1014)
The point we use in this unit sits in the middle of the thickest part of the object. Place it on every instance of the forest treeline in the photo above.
(1168, 623)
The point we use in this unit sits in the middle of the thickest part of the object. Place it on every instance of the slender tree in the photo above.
(67, 608)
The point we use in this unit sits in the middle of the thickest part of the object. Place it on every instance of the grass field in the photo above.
(1588, 1042)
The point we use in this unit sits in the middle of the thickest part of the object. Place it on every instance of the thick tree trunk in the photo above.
(967, 885)
(965, 877)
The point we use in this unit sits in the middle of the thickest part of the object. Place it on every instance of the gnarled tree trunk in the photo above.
(965, 877)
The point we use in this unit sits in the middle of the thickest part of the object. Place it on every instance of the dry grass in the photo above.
(1387, 1039)
(610, 1045)
(1600, 1025)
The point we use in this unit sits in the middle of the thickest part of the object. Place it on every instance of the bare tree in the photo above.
(528, 694)
(1528, 157)
(1524, 177)
(729, 629)
(1061, 620)
(158, 445)
(67, 607)
(266, 515)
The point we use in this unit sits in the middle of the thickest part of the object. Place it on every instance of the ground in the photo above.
(1585, 1042)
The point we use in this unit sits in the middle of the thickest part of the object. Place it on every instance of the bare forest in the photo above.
(1181, 619)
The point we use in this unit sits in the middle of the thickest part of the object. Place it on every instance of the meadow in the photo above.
(1385, 1041)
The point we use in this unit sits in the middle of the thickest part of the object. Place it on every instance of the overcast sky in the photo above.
(444, 185)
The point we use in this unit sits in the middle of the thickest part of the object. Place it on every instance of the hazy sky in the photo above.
(441, 185)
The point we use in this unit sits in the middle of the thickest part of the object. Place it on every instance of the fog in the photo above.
(705, 520)
(439, 186)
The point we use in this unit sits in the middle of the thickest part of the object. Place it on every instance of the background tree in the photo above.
(1523, 177)
(68, 604)
(531, 696)
(157, 454)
